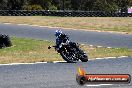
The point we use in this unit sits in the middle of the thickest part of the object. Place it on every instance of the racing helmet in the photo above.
(58, 33)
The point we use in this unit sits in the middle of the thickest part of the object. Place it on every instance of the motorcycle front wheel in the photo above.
(70, 58)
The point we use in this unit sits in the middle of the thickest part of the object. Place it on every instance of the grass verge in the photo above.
(30, 50)
(114, 24)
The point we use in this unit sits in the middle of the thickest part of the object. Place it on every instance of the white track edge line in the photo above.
(99, 85)
(123, 56)
(58, 61)
(22, 63)
(61, 61)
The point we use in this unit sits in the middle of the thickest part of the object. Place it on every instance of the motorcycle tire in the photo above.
(84, 58)
(82, 53)
(66, 59)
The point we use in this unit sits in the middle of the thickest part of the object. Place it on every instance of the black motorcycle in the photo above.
(70, 51)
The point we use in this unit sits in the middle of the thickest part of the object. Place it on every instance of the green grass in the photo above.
(27, 50)
(95, 52)
(30, 50)
(111, 24)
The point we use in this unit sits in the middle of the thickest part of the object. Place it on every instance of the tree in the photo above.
(123, 5)
(32, 7)
(3, 4)
(105, 5)
(85, 5)
(15, 4)
(43, 3)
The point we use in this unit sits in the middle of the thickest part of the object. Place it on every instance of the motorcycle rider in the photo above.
(60, 37)
(69, 51)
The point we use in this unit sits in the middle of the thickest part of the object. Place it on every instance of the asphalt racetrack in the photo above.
(63, 75)
(94, 38)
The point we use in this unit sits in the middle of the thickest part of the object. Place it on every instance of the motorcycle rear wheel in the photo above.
(84, 57)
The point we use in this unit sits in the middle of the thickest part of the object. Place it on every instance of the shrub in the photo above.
(32, 7)
(5, 41)
(52, 7)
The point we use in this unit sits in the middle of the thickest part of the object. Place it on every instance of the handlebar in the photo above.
(49, 47)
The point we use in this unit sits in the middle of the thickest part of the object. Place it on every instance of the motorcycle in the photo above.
(70, 51)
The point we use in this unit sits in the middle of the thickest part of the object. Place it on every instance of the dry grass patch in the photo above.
(117, 24)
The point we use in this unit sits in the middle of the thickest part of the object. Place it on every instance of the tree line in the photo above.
(83, 5)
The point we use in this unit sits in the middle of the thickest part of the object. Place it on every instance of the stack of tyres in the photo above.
(5, 41)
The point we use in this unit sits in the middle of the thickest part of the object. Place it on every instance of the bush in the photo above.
(32, 7)
(5, 41)
(52, 7)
